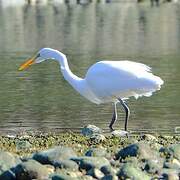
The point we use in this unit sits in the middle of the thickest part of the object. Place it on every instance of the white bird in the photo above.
(105, 81)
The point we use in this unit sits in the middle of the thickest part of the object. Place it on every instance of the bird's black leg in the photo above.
(114, 117)
(126, 108)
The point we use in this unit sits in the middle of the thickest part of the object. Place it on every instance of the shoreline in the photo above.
(93, 155)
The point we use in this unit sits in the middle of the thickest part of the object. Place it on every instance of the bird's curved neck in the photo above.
(74, 80)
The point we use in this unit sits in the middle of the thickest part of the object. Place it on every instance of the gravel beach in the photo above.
(90, 154)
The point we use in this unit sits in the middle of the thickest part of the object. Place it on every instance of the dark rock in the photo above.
(62, 177)
(130, 171)
(8, 175)
(31, 170)
(89, 130)
(66, 164)
(141, 150)
(108, 170)
(53, 155)
(110, 177)
(87, 163)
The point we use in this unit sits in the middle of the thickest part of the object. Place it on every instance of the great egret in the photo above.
(105, 81)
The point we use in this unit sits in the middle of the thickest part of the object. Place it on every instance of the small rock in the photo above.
(175, 149)
(110, 177)
(170, 174)
(89, 130)
(61, 177)
(149, 137)
(31, 170)
(87, 163)
(96, 152)
(108, 170)
(68, 173)
(153, 166)
(140, 149)
(129, 171)
(22, 145)
(7, 161)
(97, 138)
(96, 173)
(172, 164)
(119, 133)
(53, 155)
(67, 164)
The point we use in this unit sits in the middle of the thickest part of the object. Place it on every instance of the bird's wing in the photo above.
(116, 78)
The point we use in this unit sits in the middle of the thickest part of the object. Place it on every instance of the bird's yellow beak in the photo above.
(28, 63)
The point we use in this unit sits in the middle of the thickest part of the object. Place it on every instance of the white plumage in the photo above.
(110, 80)
(106, 81)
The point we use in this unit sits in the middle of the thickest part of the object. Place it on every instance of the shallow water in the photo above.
(40, 98)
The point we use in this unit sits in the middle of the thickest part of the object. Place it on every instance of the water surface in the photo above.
(40, 98)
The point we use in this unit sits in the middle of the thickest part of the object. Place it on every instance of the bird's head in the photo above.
(40, 56)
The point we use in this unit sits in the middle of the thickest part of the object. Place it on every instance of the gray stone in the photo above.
(130, 171)
(119, 133)
(31, 170)
(87, 163)
(67, 164)
(7, 161)
(140, 149)
(149, 137)
(53, 155)
(175, 149)
(97, 138)
(96, 152)
(89, 130)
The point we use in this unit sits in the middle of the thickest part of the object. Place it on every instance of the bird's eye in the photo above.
(38, 55)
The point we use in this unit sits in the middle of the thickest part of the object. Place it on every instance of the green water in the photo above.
(40, 98)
